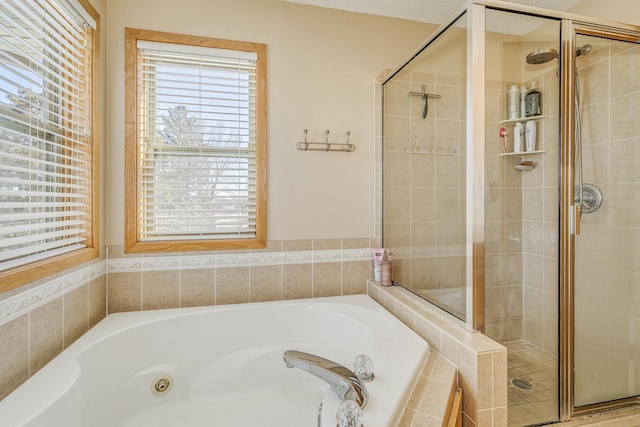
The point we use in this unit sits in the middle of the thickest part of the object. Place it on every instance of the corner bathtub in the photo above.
(226, 367)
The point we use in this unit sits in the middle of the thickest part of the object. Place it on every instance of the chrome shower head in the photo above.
(541, 56)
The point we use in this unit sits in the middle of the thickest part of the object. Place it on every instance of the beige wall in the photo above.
(321, 69)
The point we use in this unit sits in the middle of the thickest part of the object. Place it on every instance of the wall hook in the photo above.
(326, 145)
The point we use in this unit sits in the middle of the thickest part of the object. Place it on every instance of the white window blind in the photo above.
(197, 169)
(45, 119)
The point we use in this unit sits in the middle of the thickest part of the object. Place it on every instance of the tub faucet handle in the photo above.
(363, 367)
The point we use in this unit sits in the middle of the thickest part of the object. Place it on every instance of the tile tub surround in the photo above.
(39, 320)
(289, 269)
(430, 401)
(481, 362)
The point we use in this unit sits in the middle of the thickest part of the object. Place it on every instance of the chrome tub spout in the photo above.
(342, 380)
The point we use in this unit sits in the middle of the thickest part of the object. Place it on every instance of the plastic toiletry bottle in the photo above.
(512, 102)
(518, 138)
(523, 100)
(386, 272)
(530, 135)
(532, 101)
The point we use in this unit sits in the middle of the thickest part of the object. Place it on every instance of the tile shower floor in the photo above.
(533, 389)
(539, 404)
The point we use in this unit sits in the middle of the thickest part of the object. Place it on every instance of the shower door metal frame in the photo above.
(569, 214)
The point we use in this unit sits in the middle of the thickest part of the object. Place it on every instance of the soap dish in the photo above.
(525, 166)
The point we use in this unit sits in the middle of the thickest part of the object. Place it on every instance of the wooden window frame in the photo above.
(133, 243)
(27, 273)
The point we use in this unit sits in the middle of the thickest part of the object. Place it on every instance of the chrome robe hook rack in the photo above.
(326, 145)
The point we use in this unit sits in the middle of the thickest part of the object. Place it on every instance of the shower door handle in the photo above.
(575, 216)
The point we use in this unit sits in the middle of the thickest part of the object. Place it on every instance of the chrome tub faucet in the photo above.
(342, 380)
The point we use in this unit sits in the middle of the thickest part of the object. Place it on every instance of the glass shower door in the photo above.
(607, 249)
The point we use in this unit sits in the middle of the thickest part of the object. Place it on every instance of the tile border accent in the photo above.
(22, 303)
(249, 259)
(17, 305)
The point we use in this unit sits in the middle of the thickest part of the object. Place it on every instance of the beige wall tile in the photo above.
(45, 328)
(197, 287)
(160, 289)
(266, 283)
(327, 244)
(97, 309)
(124, 292)
(423, 171)
(397, 205)
(396, 100)
(327, 279)
(232, 285)
(297, 245)
(355, 243)
(354, 277)
(76, 314)
(14, 354)
(396, 134)
(297, 280)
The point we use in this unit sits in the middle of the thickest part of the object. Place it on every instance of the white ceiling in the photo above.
(431, 11)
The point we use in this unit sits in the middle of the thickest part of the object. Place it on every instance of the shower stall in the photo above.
(536, 244)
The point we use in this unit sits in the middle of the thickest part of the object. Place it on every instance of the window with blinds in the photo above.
(46, 143)
(199, 143)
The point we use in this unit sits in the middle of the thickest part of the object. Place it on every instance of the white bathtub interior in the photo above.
(226, 367)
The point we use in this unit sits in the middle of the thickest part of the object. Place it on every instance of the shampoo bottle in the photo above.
(518, 138)
(530, 135)
(532, 101)
(523, 100)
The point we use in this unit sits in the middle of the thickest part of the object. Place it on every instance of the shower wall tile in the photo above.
(594, 82)
(533, 231)
(624, 66)
(595, 163)
(397, 235)
(625, 157)
(419, 77)
(495, 270)
(422, 207)
(396, 169)
(514, 268)
(447, 107)
(513, 243)
(396, 134)
(396, 100)
(595, 121)
(396, 203)
(621, 109)
(532, 271)
(533, 204)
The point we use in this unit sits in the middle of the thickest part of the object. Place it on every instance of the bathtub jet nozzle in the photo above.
(342, 380)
